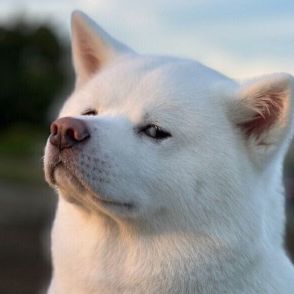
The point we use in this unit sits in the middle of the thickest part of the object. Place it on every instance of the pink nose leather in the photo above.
(67, 132)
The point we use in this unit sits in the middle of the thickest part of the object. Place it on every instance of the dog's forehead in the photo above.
(149, 85)
(154, 78)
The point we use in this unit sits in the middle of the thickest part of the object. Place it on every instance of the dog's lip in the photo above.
(53, 167)
(98, 199)
(115, 203)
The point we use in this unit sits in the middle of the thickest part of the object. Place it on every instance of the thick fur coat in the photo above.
(169, 175)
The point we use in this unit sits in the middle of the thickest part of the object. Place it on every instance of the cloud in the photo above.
(240, 38)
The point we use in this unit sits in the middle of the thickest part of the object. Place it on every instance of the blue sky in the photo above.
(239, 38)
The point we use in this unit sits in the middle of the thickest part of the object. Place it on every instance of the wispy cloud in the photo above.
(241, 38)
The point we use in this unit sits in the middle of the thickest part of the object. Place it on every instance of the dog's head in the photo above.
(146, 137)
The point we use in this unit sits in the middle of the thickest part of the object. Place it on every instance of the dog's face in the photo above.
(157, 137)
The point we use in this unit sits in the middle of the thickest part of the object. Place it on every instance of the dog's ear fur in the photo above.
(262, 110)
(92, 47)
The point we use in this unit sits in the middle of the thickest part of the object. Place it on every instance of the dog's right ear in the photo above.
(92, 47)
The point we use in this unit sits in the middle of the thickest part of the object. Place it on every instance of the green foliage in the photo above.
(31, 73)
(21, 141)
(21, 151)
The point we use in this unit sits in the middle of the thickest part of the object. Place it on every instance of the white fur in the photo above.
(208, 213)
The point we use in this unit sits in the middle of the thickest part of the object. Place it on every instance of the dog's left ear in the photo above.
(262, 110)
(92, 47)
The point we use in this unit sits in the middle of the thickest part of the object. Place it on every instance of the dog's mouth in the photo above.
(60, 172)
(50, 173)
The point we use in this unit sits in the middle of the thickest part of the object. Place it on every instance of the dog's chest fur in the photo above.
(104, 259)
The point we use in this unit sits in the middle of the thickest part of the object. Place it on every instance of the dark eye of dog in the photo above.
(90, 112)
(155, 132)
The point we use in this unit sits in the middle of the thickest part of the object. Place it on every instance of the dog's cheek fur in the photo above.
(161, 182)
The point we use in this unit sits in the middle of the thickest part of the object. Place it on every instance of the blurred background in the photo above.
(239, 38)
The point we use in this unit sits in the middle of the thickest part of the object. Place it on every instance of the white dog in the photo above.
(169, 175)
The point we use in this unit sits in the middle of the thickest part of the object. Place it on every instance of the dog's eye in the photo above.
(155, 132)
(90, 112)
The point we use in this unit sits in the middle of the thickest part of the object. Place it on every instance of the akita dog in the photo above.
(169, 175)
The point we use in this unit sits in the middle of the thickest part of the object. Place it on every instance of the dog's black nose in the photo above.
(67, 132)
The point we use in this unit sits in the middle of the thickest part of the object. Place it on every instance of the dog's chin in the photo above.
(75, 190)
(66, 180)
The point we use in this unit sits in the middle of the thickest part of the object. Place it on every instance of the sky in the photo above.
(237, 37)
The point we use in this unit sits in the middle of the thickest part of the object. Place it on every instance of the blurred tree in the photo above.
(31, 73)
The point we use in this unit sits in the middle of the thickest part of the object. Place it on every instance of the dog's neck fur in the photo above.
(107, 256)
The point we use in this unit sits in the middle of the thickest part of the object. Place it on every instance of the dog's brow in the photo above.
(146, 116)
